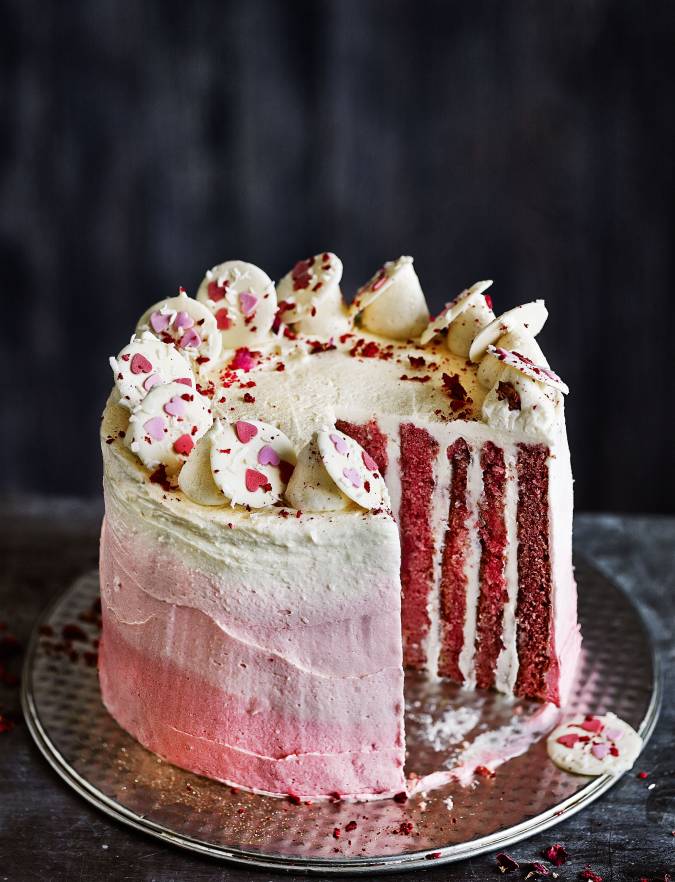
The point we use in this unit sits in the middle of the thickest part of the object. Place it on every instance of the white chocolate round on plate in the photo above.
(311, 296)
(528, 368)
(594, 745)
(196, 478)
(242, 299)
(392, 303)
(147, 362)
(184, 322)
(353, 470)
(529, 317)
(454, 309)
(166, 425)
(251, 462)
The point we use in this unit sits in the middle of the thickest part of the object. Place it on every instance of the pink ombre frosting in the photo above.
(264, 674)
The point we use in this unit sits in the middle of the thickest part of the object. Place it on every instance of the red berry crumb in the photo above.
(588, 874)
(556, 854)
(505, 863)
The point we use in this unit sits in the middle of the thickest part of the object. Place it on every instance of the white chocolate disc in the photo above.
(167, 424)
(594, 745)
(527, 367)
(147, 362)
(453, 309)
(196, 478)
(530, 317)
(353, 470)
(312, 298)
(251, 462)
(186, 323)
(311, 488)
(242, 299)
(517, 341)
(392, 303)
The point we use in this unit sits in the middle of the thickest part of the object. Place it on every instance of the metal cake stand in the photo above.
(62, 705)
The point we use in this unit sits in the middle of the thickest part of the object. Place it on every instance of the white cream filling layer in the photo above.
(440, 505)
(507, 661)
(472, 570)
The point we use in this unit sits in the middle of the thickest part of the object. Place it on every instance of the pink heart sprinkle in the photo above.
(613, 734)
(369, 462)
(339, 444)
(244, 360)
(592, 724)
(175, 406)
(190, 338)
(268, 456)
(600, 751)
(247, 302)
(183, 320)
(353, 477)
(245, 431)
(183, 445)
(254, 480)
(140, 364)
(155, 427)
(215, 292)
(568, 740)
(186, 381)
(152, 380)
(159, 322)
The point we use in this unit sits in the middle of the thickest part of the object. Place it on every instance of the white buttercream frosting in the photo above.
(311, 488)
(301, 383)
(392, 303)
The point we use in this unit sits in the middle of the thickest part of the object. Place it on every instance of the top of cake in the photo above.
(233, 395)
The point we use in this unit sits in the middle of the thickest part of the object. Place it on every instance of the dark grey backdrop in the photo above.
(530, 142)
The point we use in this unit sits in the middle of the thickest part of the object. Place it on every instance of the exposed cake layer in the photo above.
(489, 597)
(258, 649)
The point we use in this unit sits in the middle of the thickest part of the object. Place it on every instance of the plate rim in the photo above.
(314, 865)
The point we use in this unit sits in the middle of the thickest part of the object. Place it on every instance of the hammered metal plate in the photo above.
(62, 704)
